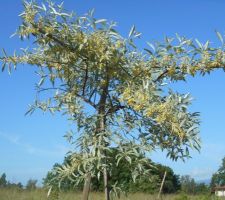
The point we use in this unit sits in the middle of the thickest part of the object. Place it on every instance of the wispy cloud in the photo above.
(14, 139)
(57, 151)
(201, 173)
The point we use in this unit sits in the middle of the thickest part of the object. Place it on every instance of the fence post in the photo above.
(161, 187)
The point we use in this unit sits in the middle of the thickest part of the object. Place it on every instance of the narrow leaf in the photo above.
(150, 52)
(131, 31)
(41, 81)
(4, 52)
(44, 7)
(206, 45)
(220, 37)
(151, 45)
(199, 44)
(100, 21)
(3, 66)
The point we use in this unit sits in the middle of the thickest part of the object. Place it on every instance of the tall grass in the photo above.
(40, 194)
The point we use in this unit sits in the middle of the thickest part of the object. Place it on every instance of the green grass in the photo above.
(13, 194)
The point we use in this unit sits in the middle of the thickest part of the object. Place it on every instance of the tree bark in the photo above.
(105, 172)
(102, 127)
(106, 185)
(86, 188)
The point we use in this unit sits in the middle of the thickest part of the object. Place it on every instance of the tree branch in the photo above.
(115, 109)
(56, 39)
(161, 75)
(78, 95)
(85, 80)
(86, 100)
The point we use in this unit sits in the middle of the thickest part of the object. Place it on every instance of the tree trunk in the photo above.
(102, 127)
(86, 188)
(106, 186)
(105, 172)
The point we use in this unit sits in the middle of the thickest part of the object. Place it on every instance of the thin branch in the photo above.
(85, 80)
(51, 36)
(110, 100)
(56, 39)
(92, 93)
(161, 75)
(53, 88)
(87, 100)
(78, 95)
(115, 109)
(125, 71)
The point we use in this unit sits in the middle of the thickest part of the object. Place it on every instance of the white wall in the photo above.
(220, 193)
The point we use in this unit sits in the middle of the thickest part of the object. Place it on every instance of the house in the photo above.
(220, 191)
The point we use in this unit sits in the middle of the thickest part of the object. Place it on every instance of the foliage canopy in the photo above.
(116, 94)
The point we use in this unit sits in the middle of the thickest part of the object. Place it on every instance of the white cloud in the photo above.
(201, 173)
(14, 139)
(57, 151)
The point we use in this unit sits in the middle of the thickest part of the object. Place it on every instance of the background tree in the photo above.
(202, 188)
(31, 184)
(218, 178)
(15, 185)
(3, 181)
(115, 93)
(172, 181)
(188, 184)
(122, 175)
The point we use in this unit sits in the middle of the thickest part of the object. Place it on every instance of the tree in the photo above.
(7, 184)
(172, 181)
(31, 184)
(3, 181)
(122, 175)
(115, 93)
(15, 185)
(218, 178)
(202, 188)
(188, 185)
(51, 179)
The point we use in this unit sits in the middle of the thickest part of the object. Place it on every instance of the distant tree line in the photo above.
(173, 183)
(190, 186)
(4, 183)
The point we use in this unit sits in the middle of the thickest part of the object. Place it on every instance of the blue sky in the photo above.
(30, 145)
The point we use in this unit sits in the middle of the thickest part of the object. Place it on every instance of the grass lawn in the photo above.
(13, 194)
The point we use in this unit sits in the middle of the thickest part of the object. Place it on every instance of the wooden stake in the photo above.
(161, 187)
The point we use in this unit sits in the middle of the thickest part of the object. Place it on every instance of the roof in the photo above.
(219, 188)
